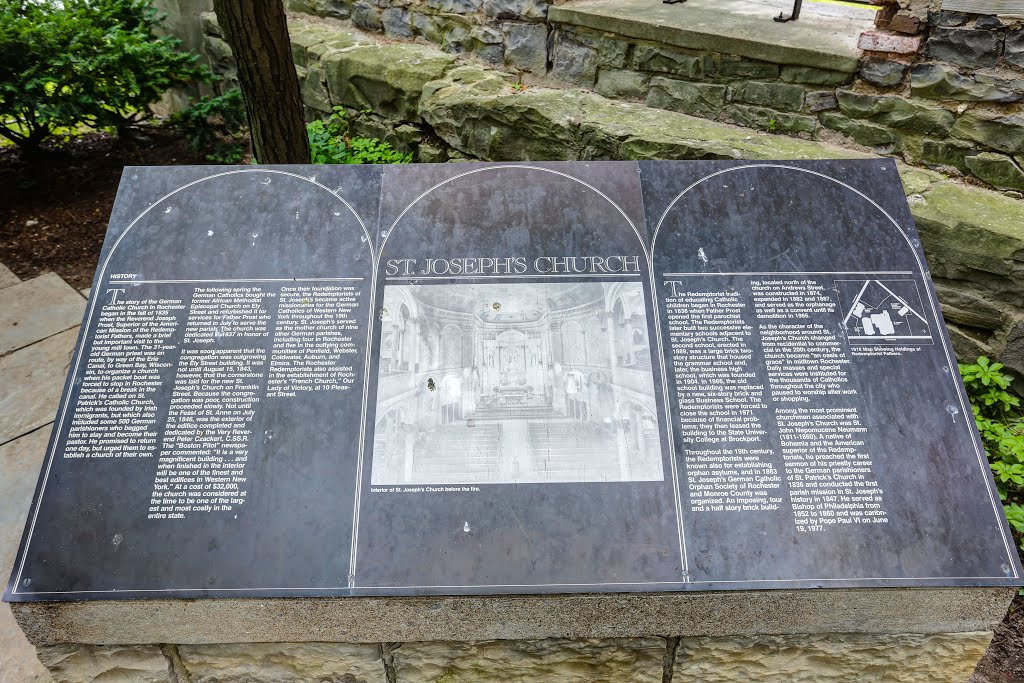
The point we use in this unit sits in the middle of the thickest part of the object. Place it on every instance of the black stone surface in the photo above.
(969, 47)
(315, 524)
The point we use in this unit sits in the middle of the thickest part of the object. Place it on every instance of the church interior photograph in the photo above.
(515, 383)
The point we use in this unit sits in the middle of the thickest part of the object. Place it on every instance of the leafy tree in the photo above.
(67, 63)
(134, 66)
(38, 84)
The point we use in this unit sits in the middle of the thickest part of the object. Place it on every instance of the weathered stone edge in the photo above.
(592, 18)
(515, 617)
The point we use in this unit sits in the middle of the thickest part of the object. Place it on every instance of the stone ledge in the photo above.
(825, 43)
(7, 278)
(972, 235)
(35, 309)
(33, 378)
(475, 112)
(514, 617)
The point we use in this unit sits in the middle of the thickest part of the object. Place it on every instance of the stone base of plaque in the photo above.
(784, 635)
(827, 657)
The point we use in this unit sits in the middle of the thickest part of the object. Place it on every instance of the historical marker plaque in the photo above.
(495, 378)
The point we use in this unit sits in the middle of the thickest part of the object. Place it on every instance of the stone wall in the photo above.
(449, 108)
(938, 89)
(825, 658)
(969, 65)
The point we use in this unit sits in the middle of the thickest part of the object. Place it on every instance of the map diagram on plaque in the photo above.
(879, 311)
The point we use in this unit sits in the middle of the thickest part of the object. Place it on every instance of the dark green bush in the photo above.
(330, 143)
(69, 63)
(216, 127)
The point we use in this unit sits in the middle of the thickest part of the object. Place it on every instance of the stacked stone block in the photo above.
(929, 113)
(972, 66)
(486, 28)
(961, 77)
(756, 94)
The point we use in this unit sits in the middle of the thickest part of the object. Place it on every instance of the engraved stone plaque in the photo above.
(530, 377)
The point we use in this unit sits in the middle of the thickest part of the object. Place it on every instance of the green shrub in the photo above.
(68, 63)
(216, 127)
(1001, 425)
(135, 67)
(330, 143)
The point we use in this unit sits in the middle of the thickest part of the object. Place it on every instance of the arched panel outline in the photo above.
(386, 234)
(922, 271)
(80, 352)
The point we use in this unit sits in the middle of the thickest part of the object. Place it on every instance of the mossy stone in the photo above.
(1003, 133)
(862, 132)
(997, 170)
(385, 78)
(773, 95)
(770, 120)
(701, 99)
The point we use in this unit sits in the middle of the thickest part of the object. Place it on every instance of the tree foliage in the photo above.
(215, 127)
(68, 63)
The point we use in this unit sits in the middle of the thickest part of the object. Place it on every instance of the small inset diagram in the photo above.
(883, 311)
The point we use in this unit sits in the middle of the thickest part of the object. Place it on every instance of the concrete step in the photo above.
(740, 27)
(7, 278)
(20, 462)
(36, 309)
(31, 382)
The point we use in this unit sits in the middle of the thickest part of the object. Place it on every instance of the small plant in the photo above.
(215, 126)
(330, 143)
(1015, 515)
(518, 87)
(772, 125)
(1001, 425)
